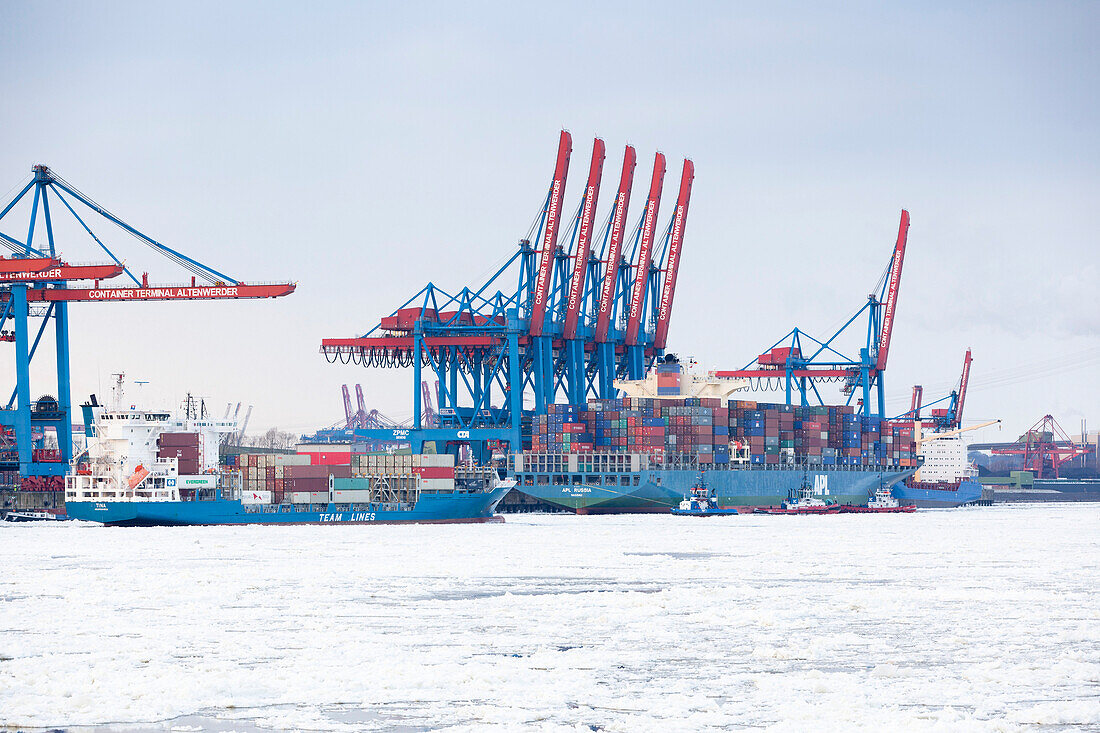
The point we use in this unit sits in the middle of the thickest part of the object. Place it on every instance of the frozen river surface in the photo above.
(971, 619)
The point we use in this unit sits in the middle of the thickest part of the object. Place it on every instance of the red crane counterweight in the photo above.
(9, 266)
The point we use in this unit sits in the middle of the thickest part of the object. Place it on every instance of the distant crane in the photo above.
(244, 426)
(430, 417)
(943, 418)
(1044, 447)
(351, 418)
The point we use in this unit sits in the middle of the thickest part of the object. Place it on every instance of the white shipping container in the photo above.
(438, 485)
(309, 497)
(351, 495)
(255, 497)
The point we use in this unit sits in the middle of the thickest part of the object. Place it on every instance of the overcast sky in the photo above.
(365, 149)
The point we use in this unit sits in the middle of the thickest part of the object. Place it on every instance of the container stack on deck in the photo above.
(743, 431)
(267, 472)
(182, 446)
(303, 477)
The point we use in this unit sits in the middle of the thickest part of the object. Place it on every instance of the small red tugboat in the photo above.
(883, 502)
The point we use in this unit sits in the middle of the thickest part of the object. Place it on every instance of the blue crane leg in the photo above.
(22, 377)
(64, 387)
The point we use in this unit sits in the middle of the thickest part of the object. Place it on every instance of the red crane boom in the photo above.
(580, 260)
(614, 246)
(892, 292)
(645, 250)
(162, 292)
(550, 234)
(914, 407)
(672, 264)
(962, 390)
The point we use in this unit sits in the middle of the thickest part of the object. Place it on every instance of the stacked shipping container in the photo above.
(304, 478)
(742, 431)
(267, 472)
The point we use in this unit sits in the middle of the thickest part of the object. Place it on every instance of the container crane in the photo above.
(1044, 447)
(557, 332)
(576, 355)
(431, 419)
(615, 273)
(798, 361)
(645, 254)
(361, 415)
(672, 266)
(943, 418)
(39, 286)
(351, 419)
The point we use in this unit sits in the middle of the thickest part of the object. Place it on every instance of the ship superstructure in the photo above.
(138, 454)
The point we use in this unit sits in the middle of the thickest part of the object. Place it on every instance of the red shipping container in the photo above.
(329, 459)
(178, 439)
(436, 471)
(181, 452)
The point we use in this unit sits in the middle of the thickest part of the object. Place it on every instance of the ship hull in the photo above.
(968, 491)
(430, 509)
(660, 490)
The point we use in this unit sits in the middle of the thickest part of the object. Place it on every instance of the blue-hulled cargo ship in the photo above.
(130, 475)
(614, 483)
(213, 509)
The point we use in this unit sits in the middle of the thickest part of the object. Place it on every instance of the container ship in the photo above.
(147, 468)
(645, 453)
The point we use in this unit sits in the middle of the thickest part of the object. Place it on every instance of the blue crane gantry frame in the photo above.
(52, 296)
(488, 348)
(790, 366)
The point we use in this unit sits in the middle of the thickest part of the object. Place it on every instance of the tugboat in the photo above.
(702, 503)
(33, 516)
(805, 502)
(883, 502)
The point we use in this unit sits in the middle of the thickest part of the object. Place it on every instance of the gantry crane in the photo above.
(798, 361)
(42, 285)
(942, 418)
(1043, 448)
(591, 304)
